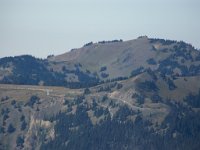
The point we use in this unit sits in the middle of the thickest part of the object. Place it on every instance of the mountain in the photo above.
(102, 61)
(138, 94)
(112, 60)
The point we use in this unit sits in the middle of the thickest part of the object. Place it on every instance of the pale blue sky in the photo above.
(43, 27)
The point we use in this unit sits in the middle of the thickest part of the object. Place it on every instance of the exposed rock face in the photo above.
(33, 135)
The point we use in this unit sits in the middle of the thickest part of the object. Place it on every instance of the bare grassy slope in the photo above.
(120, 58)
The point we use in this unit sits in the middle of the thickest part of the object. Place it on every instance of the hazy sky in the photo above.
(43, 27)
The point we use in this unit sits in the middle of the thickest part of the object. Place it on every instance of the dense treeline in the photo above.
(180, 129)
(29, 70)
(193, 100)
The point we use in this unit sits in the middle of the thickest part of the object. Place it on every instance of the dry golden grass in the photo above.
(24, 92)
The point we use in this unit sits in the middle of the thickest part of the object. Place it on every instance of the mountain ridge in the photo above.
(106, 61)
